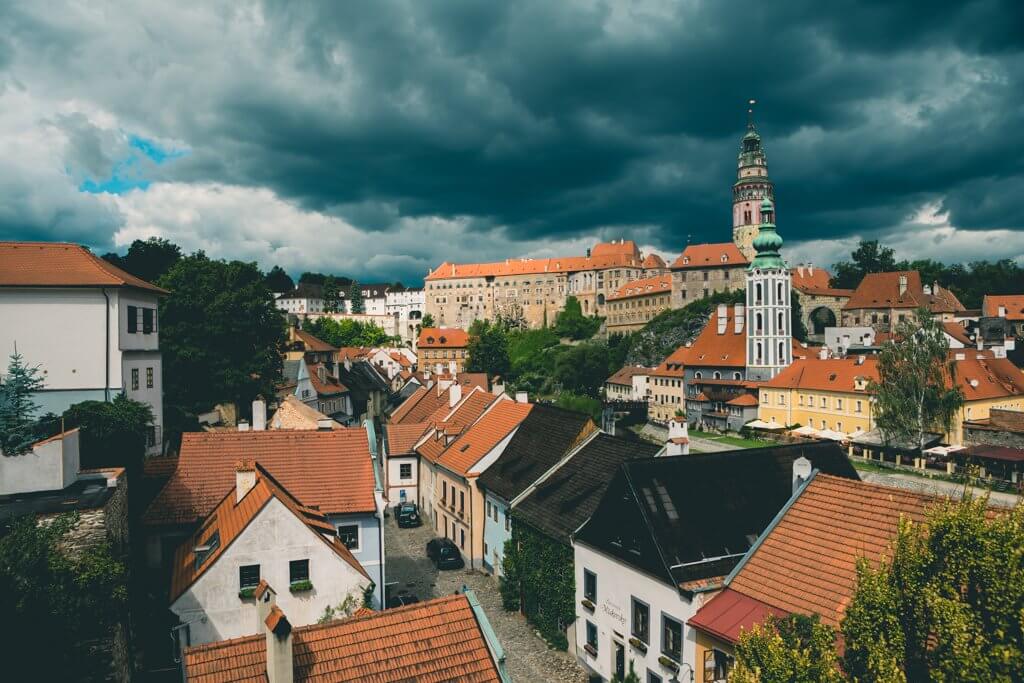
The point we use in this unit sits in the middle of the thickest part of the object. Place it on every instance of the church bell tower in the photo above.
(769, 291)
(751, 188)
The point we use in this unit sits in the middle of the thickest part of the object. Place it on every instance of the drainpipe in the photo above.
(106, 348)
(380, 559)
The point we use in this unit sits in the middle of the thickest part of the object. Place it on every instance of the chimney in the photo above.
(1002, 311)
(522, 397)
(737, 324)
(259, 415)
(723, 320)
(860, 360)
(801, 472)
(245, 478)
(800, 270)
(810, 269)
(497, 387)
(903, 284)
(243, 426)
(823, 354)
(280, 668)
(454, 394)
(266, 597)
(324, 424)
(588, 253)
(678, 437)
(348, 362)
(927, 289)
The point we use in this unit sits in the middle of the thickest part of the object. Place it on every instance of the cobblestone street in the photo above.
(528, 658)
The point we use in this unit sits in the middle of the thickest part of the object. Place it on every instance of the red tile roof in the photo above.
(815, 281)
(457, 421)
(652, 261)
(442, 338)
(531, 266)
(331, 470)
(625, 375)
(728, 349)
(957, 331)
(743, 400)
(58, 264)
(465, 452)
(987, 378)
(620, 248)
(882, 290)
(831, 374)
(657, 284)
(674, 365)
(434, 641)
(402, 437)
(807, 562)
(312, 343)
(729, 612)
(230, 518)
(329, 385)
(1013, 303)
(719, 255)
(159, 467)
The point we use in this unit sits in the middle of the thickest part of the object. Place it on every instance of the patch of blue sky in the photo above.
(129, 173)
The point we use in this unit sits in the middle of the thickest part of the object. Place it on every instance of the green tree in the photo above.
(582, 369)
(630, 677)
(221, 334)
(55, 596)
(427, 320)
(148, 259)
(796, 318)
(947, 606)
(868, 257)
(488, 349)
(916, 391)
(279, 281)
(570, 321)
(17, 408)
(794, 649)
(346, 332)
(355, 298)
(332, 295)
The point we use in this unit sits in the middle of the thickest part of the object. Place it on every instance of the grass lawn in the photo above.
(736, 441)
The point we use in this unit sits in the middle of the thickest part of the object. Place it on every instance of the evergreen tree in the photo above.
(869, 257)
(355, 298)
(279, 281)
(17, 409)
(332, 295)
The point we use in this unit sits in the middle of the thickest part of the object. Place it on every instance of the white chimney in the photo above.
(678, 437)
(927, 289)
(1002, 311)
(348, 363)
(737, 318)
(903, 284)
(443, 384)
(722, 319)
(800, 270)
(860, 360)
(801, 472)
(810, 269)
(280, 668)
(426, 372)
(245, 478)
(452, 367)
(497, 387)
(259, 415)
(454, 394)
(325, 424)
(243, 426)
(823, 354)
(522, 397)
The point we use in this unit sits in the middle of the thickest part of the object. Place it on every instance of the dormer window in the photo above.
(725, 258)
(686, 259)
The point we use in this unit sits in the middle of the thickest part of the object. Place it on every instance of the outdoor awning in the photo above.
(832, 435)
(942, 450)
(806, 430)
(761, 424)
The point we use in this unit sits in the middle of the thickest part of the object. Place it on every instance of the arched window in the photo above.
(780, 293)
(782, 351)
(697, 375)
(716, 375)
(781, 322)
(758, 323)
(759, 354)
(735, 375)
(757, 293)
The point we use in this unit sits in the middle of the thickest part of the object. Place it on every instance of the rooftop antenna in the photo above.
(750, 113)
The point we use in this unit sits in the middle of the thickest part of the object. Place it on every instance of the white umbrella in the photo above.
(761, 424)
(832, 435)
(806, 430)
(857, 432)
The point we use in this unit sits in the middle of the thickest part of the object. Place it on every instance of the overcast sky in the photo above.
(378, 139)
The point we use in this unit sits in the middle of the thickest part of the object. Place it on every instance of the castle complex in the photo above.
(533, 291)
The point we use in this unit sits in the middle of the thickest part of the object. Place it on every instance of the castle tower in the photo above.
(769, 337)
(751, 187)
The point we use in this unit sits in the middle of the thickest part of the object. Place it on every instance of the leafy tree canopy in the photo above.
(321, 279)
(17, 407)
(279, 281)
(572, 324)
(347, 332)
(488, 349)
(795, 649)
(427, 320)
(148, 259)
(220, 334)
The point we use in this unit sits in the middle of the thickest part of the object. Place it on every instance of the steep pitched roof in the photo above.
(620, 248)
(882, 290)
(442, 338)
(546, 435)
(330, 470)
(674, 365)
(831, 374)
(698, 514)
(815, 281)
(652, 261)
(330, 385)
(455, 421)
(401, 438)
(438, 640)
(311, 342)
(806, 563)
(987, 378)
(656, 284)
(230, 518)
(568, 497)
(294, 414)
(59, 264)
(462, 455)
(728, 349)
(957, 331)
(1012, 303)
(626, 374)
(721, 255)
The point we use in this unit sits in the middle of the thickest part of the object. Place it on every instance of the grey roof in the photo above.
(290, 370)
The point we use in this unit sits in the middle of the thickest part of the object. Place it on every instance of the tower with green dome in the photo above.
(769, 291)
(751, 187)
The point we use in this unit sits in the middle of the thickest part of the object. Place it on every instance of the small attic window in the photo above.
(725, 257)
(443, 340)
(464, 448)
(832, 377)
(202, 552)
(430, 340)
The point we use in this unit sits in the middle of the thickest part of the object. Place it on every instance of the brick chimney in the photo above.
(245, 478)
(278, 630)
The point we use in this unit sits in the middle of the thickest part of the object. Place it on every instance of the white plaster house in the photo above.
(92, 328)
(260, 532)
(408, 307)
(303, 300)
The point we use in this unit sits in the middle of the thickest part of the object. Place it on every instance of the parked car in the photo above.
(445, 554)
(408, 515)
(402, 600)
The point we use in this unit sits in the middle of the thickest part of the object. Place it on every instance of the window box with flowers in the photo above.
(638, 644)
(301, 586)
(588, 604)
(246, 593)
(668, 663)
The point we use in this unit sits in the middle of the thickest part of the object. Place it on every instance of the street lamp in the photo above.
(675, 677)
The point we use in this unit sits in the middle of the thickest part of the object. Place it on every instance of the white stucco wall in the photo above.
(395, 482)
(51, 466)
(617, 584)
(212, 607)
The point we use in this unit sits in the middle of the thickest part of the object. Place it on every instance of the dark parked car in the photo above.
(445, 554)
(402, 600)
(408, 515)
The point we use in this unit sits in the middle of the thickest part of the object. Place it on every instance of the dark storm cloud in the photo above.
(554, 120)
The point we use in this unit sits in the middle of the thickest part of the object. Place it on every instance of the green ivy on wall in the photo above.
(539, 578)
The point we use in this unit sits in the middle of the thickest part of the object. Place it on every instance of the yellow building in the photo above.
(635, 303)
(666, 388)
(442, 349)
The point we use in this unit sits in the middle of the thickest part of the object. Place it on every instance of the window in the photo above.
(462, 538)
(133, 319)
(147, 321)
(488, 512)
(641, 620)
(589, 585)
(444, 492)
(671, 638)
(839, 404)
(508, 522)
(653, 677)
(248, 576)
(857, 407)
(462, 501)
(349, 535)
(717, 666)
(592, 635)
(298, 570)
(149, 378)
(135, 379)
(405, 470)
(494, 514)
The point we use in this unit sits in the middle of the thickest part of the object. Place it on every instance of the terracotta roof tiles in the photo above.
(652, 261)
(402, 438)
(882, 290)
(312, 343)
(465, 452)
(531, 266)
(58, 264)
(1013, 305)
(657, 284)
(442, 338)
(457, 421)
(625, 375)
(718, 255)
(434, 641)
